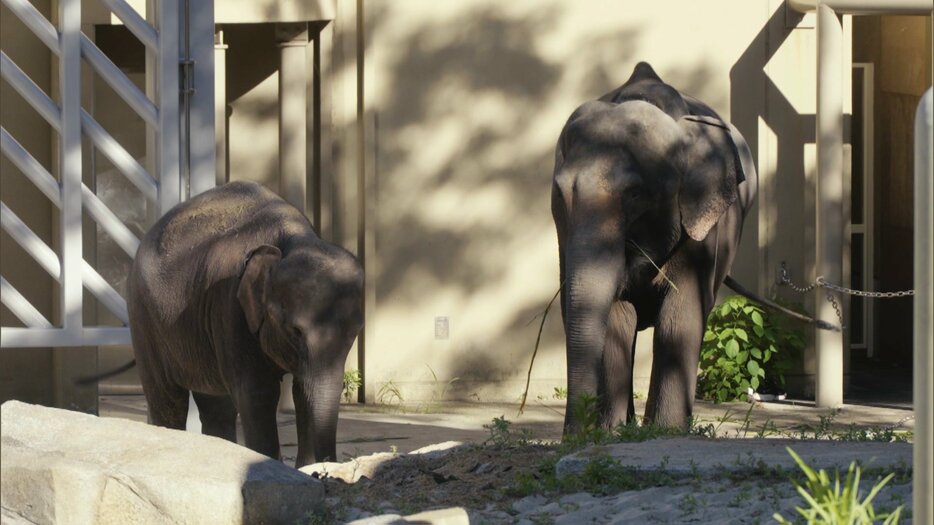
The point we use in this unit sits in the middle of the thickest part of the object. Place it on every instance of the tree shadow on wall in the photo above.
(463, 179)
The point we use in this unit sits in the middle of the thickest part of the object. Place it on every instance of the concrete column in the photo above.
(220, 108)
(293, 78)
(829, 345)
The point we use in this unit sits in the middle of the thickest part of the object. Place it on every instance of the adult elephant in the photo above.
(649, 195)
(228, 292)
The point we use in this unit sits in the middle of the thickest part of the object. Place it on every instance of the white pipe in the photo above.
(166, 78)
(30, 91)
(35, 21)
(134, 22)
(56, 337)
(21, 307)
(30, 242)
(866, 7)
(829, 344)
(120, 83)
(110, 222)
(104, 292)
(121, 159)
(30, 167)
(923, 465)
(69, 163)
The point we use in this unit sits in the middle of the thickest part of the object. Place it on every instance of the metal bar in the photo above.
(104, 292)
(57, 337)
(48, 186)
(110, 222)
(134, 22)
(202, 153)
(30, 167)
(30, 91)
(69, 68)
(119, 156)
(167, 15)
(122, 85)
(35, 21)
(21, 307)
(30, 242)
(923, 507)
(829, 344)
(866, 7)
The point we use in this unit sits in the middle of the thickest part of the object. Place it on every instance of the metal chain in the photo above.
(836, 308)
(820, 282)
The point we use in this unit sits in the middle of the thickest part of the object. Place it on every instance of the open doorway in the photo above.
(892, 69)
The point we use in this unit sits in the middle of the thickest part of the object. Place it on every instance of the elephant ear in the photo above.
(254, 283)
(711, 171)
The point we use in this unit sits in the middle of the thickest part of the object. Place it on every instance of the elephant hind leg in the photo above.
(618, 353)
(218, 416)
(167, 406)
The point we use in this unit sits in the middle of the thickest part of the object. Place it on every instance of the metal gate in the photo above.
(175, 42)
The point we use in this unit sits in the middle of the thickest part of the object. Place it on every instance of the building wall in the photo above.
(465, 101)
(25, 374)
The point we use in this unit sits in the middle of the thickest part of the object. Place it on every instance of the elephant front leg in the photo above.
(676, 350)
(257, 401)
(618, 353)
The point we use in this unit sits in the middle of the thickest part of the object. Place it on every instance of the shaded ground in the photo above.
(502, 475)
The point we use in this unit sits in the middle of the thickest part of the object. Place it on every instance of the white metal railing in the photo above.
(68, 193)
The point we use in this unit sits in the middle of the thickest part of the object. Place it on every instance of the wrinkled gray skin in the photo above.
(644, 173)
(229, 291)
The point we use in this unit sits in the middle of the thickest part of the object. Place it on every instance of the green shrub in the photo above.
(352, 382)
(744, 347)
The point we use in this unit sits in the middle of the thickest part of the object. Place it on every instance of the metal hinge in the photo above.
(186, 77)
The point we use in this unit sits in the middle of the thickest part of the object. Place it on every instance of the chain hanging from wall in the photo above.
(820, 282)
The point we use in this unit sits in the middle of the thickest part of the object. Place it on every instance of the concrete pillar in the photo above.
(829, 345)
(220, 108)
(293, 78)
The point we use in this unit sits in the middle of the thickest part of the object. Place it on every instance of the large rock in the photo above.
(58, 466)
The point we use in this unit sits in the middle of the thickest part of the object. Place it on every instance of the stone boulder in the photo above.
(58, 466)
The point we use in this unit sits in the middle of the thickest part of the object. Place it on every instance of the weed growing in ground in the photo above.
(389, 394)
(829, 502)
(438, 391)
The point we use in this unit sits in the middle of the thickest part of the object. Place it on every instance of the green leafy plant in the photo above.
(829, 502)
(352, 381)
(744, 347)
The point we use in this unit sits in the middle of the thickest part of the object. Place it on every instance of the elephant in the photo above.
(229, 291)
(649, 193)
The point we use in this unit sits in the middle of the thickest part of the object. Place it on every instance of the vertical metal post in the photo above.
(829, 388)
(923, 507)
(220, 108)
(167, 19)
(201, 143)
(69, 68)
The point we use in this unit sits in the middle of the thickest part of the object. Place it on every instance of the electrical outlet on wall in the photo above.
(442, 328)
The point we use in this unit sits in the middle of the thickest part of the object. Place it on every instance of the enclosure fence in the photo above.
(159, 109)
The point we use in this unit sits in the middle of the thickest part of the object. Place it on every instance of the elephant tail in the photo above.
(740, 289)
(87, 380)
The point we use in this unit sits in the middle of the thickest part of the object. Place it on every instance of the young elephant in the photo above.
(228, 292)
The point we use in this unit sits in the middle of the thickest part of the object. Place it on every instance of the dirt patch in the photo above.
(475, 477)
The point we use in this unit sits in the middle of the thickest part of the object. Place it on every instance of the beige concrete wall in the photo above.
(466, 100)
(26, 374)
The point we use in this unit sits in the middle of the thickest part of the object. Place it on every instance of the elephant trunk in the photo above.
(317, 402)
(591, 287)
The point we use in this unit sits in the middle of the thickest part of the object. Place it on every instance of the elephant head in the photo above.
(634, 179)
(305, 308)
